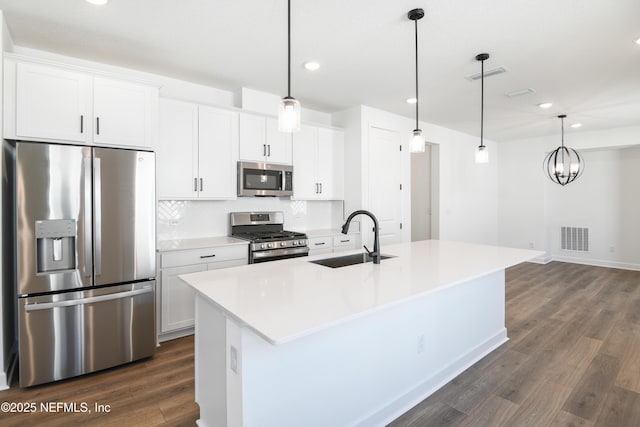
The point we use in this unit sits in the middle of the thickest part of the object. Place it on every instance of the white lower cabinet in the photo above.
(176, 299)
(333, 243)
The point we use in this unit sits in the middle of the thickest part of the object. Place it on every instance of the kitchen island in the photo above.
(292, 343)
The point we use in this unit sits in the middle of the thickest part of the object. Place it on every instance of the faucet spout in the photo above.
(375, 254)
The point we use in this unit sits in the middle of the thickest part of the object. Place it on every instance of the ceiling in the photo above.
(578, 54)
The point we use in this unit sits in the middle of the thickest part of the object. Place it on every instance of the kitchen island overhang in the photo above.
(291, 341)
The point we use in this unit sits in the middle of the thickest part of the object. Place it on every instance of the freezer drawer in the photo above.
(74, 333)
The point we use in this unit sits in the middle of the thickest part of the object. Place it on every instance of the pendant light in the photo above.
(289, 109)
(563, 165)
(482, 154)
(417, 139)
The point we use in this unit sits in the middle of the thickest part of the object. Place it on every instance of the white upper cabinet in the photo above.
(197, 152)
(177, 151)
(261, 141)
(123, 112)
(62, 104)
(318, 164)
(52, 103)
(217, 153)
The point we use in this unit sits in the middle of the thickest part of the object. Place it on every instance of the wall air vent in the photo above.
(574, 239)
(487, 73)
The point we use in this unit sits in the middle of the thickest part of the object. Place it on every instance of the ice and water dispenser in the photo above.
(56, 245)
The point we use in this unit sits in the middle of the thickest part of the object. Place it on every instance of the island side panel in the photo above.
(368, 371)
(218, 364)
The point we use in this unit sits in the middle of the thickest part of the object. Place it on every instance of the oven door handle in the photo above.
(280, 252)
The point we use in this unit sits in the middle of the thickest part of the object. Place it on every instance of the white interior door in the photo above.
(384, 183)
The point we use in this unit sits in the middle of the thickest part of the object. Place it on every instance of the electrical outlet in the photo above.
(530, 245)
(420, 346)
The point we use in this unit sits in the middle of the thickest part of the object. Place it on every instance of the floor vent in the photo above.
(574, 239)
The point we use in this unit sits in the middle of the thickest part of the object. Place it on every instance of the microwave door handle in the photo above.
(97, 193)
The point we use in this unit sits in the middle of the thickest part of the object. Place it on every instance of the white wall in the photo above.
(464, 194)
(605, 198)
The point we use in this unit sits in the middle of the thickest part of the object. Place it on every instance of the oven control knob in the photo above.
(295, 242)
(270, 245)
(283, 243)
(263, 246)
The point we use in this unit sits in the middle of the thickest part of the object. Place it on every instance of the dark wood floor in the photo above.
(573, 359)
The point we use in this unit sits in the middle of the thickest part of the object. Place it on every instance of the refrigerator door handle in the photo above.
(88, 260)
(97, 194)
(89, 300)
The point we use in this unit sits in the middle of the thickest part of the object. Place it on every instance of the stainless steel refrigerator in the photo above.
(84, 257)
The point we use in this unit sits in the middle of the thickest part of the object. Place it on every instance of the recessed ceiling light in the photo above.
(98, 2)
(545, 105)
(637, 40)
(576, 125)
(311, 65)
(411, 100)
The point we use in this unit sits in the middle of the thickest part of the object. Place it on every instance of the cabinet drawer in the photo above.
(344, 240)
(320, 243)
(204, 256)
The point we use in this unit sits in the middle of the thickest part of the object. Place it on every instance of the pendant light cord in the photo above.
(482, 103)
(416, 23)
(288, 48)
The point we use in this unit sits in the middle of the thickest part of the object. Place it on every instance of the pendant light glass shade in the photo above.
(417, 139)
(563, 165)
(289, 115)
(289, 108)
(482, 153)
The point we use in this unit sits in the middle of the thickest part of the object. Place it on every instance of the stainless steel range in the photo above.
(269, 240)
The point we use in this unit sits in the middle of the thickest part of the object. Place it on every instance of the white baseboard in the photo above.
(598, 262)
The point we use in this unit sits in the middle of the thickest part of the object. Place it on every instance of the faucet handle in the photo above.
(371, 254)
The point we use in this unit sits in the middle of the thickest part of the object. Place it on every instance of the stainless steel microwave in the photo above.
(264, 179)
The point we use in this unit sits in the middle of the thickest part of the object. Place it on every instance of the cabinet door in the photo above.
(177, 150)
(305, 183)
(177, 298)
(218, 153)
(51, 103)
(331, 164)
(122, 112)
(253, 134)
(278, 143)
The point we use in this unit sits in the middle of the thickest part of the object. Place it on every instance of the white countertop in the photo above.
(289, 299)
(204, 242)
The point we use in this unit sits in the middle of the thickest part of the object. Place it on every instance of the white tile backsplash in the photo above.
(185, 219)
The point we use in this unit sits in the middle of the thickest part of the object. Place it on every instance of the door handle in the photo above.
(320, 188)
(264, 150)
(207, 256)
(97, 203)
(195, 184)
(88, 225)
(97, 125)
(89, 300)
(81, 123)
(269, 150)
(201, 187)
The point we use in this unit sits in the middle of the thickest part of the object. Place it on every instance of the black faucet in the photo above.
(376, 246)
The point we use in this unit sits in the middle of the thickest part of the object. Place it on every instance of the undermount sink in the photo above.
(344, 261)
